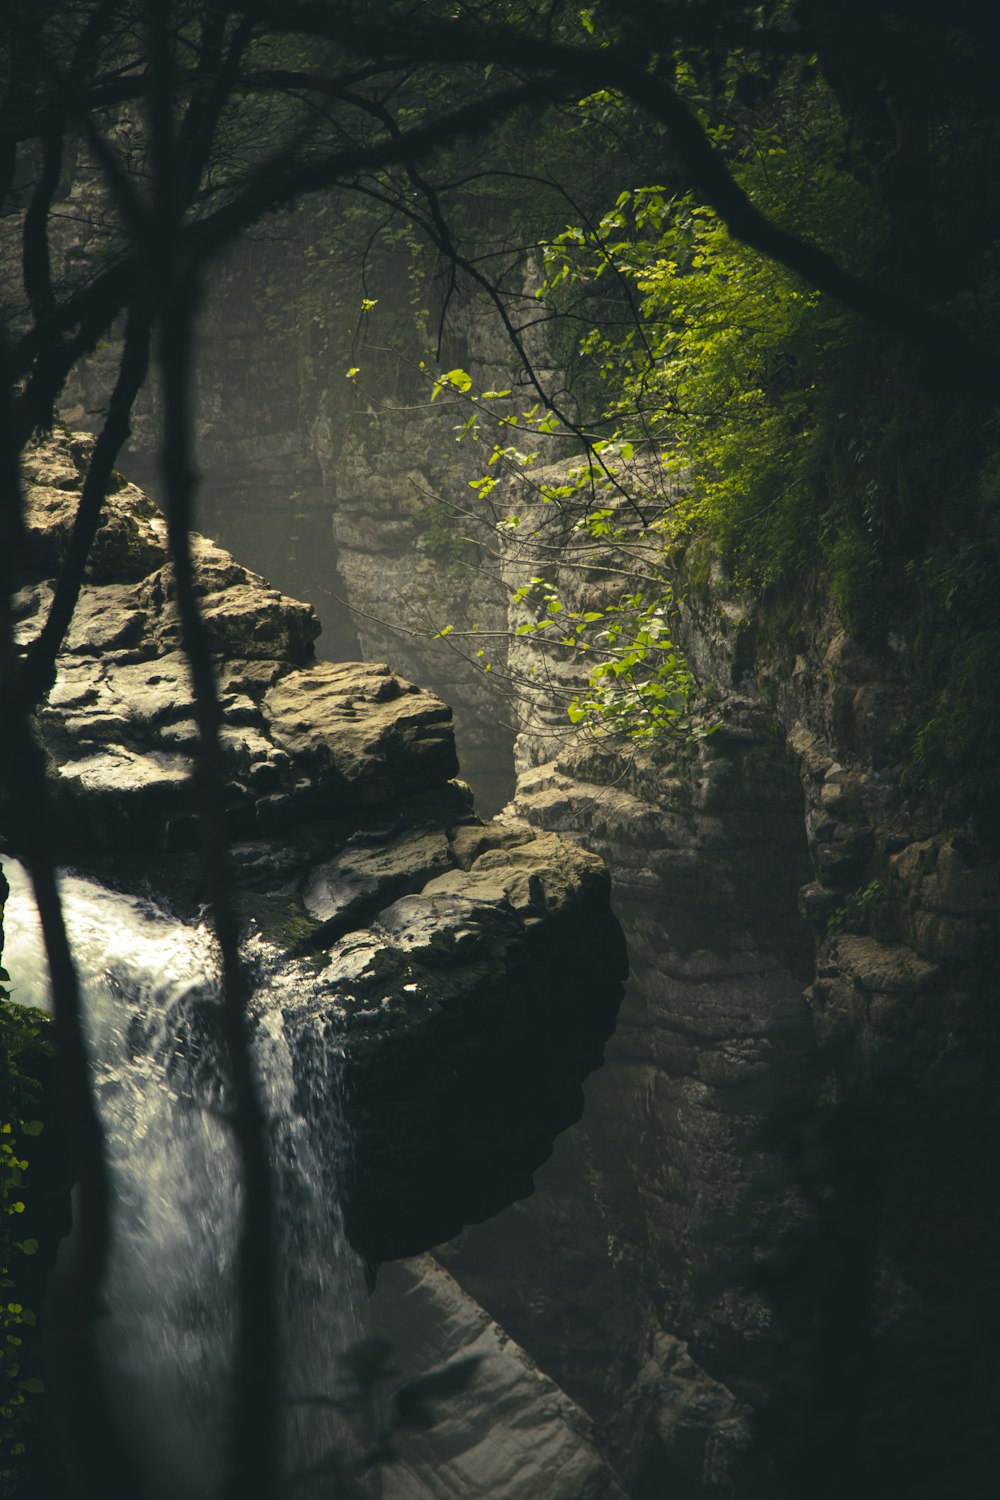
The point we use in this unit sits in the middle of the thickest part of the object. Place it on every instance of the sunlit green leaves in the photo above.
(457, 380)
(641, 686)
(709, 349)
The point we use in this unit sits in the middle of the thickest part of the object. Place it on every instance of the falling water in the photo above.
(150, 986)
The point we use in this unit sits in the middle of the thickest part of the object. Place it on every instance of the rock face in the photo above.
(346, 494)
(473, 971)
(511, 1435)
(776, 891)
(461, 1008)
(773, 875)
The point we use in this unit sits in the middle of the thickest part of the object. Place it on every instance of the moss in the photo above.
(281, 919)
(697, 559)
(952, 745)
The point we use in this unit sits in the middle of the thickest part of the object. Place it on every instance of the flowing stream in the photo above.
(150, 987)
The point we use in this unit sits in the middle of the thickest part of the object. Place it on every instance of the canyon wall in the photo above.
(784, 902)
(796, 922)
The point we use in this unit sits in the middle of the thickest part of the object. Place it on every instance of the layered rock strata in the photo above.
(347, 492)
(818, 879)
(472, 971)
(778, 891)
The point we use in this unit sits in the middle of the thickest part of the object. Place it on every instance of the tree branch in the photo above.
(632, 72)
(39, 667)
(96, 1450)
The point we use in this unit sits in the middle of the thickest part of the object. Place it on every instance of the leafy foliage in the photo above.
(20, 1034)
(709, 359)
(808, 451)
(715, 356)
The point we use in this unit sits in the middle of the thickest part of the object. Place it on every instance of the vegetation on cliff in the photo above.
(803, 304)
(820, 456)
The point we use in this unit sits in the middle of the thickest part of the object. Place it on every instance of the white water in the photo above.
(150, 987)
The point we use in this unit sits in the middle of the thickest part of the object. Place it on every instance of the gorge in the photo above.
(453, 981)
(595, 540)
(721, 856)
(812, 951)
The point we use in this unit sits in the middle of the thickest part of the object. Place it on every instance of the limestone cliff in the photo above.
(353, 846)
(513, 1435)
(347, 494)
(779, 893)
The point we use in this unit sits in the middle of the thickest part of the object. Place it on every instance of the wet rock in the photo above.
(120, 798)
(364, 879)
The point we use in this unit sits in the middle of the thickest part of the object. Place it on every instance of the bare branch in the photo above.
(74, 1298)
(39, 668)
(634, 71)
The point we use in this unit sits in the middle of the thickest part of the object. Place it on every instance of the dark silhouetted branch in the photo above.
(96, 1454)
(40, 664)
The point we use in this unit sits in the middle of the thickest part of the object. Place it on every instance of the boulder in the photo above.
(471, 1011)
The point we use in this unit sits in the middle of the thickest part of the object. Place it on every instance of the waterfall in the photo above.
(150, 986)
